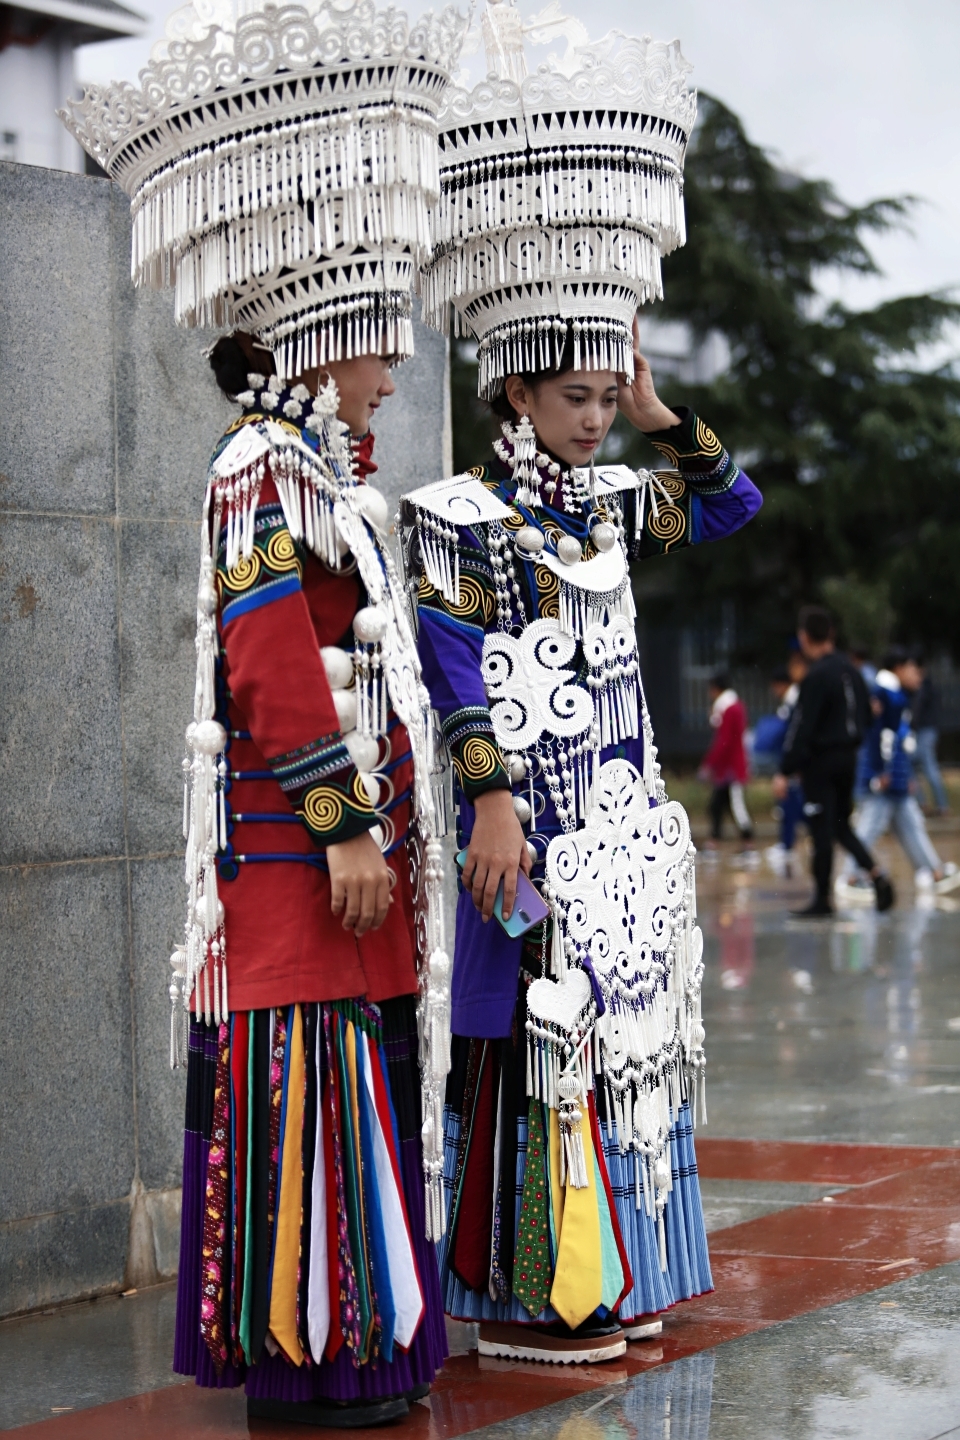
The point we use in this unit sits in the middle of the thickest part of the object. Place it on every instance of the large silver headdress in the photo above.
(559, 193)
(280, 166)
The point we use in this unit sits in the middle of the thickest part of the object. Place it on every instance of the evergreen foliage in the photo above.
(855, 447)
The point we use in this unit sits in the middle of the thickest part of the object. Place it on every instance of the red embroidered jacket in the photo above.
(293, 788)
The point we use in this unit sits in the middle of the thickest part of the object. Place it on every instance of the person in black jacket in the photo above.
(829, 722)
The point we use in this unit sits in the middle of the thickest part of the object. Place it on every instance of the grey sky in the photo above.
(862, 92)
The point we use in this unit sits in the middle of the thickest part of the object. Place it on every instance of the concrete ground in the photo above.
(831, 1182)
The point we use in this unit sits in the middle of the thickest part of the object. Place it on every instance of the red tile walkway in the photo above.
(900, 1216)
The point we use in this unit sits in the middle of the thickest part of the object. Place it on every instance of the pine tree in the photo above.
(855, 447)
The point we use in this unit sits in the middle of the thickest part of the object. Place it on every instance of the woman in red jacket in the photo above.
(304, 1268)
(725, 763)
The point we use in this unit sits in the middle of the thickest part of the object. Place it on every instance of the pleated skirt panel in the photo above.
(304, 1269)
(483, 1269)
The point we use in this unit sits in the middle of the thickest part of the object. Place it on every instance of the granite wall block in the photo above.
(170, 411)
(159, 565)
(57, 290)
(158, 906)
(66, 1102)
(60, 698)
(47, 1259)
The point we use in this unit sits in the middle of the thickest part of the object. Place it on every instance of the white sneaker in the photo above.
(853, 890)
(778, 859)
(923, 878)
(950, 881)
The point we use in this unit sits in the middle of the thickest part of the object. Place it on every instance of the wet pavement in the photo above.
(831, 1182)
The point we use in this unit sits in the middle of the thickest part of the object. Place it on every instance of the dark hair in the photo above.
(231, 365)
(896, 656)
(501, 406)
(815, 622)
(720, 681)
(780, 676)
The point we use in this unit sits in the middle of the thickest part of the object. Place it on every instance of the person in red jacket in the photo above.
(725, 763)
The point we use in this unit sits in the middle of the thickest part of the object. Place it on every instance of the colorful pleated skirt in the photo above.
(304, 1269)
(510, 1247)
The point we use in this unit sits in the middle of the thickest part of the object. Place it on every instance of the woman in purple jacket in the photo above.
(527, 641)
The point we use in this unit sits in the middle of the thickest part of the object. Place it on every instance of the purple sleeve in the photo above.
(718, 515)
(451, 656)
(451, 653)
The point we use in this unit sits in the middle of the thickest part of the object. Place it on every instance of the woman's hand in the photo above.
(360, 883)
(497, 852)
(637, 399)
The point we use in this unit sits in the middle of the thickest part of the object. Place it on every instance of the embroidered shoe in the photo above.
(592, 1342)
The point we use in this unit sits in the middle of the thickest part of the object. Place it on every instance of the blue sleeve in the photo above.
(703, 496)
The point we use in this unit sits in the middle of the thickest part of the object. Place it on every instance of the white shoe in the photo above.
(853, 890)
(778, 859)
(646, 1331)
(923, 878)
(950, 881)
(511, 1341)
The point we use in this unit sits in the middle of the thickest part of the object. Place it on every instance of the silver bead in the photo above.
(209, 737)
(338, 665)
(517, 768)
(521, 808)
(207, 600)
(603, 536)
(569, 550)
(532, 851)
(369, 624)
(364, 750)
(345, 704)
(529, 540)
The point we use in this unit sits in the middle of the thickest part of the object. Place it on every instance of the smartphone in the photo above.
(529, 908)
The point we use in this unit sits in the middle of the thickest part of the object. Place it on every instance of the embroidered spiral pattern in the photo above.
(323, 808)
(548, 592)
(672, 484)
(471, 598)
(244, 574)
(359, 798)
(669, 525)
(709, 444)
(281, 551)
(478, 759)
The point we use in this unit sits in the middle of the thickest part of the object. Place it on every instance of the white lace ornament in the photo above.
(622, 892)
(529, 690)
(560, 1020)
(611, 652)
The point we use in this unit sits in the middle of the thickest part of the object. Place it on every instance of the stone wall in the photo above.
(111, 415)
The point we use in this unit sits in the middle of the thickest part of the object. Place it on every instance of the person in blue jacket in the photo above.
(885, 774)
(769, 735)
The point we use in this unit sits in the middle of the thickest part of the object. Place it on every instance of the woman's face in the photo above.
(362, 383)
(571, 413)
